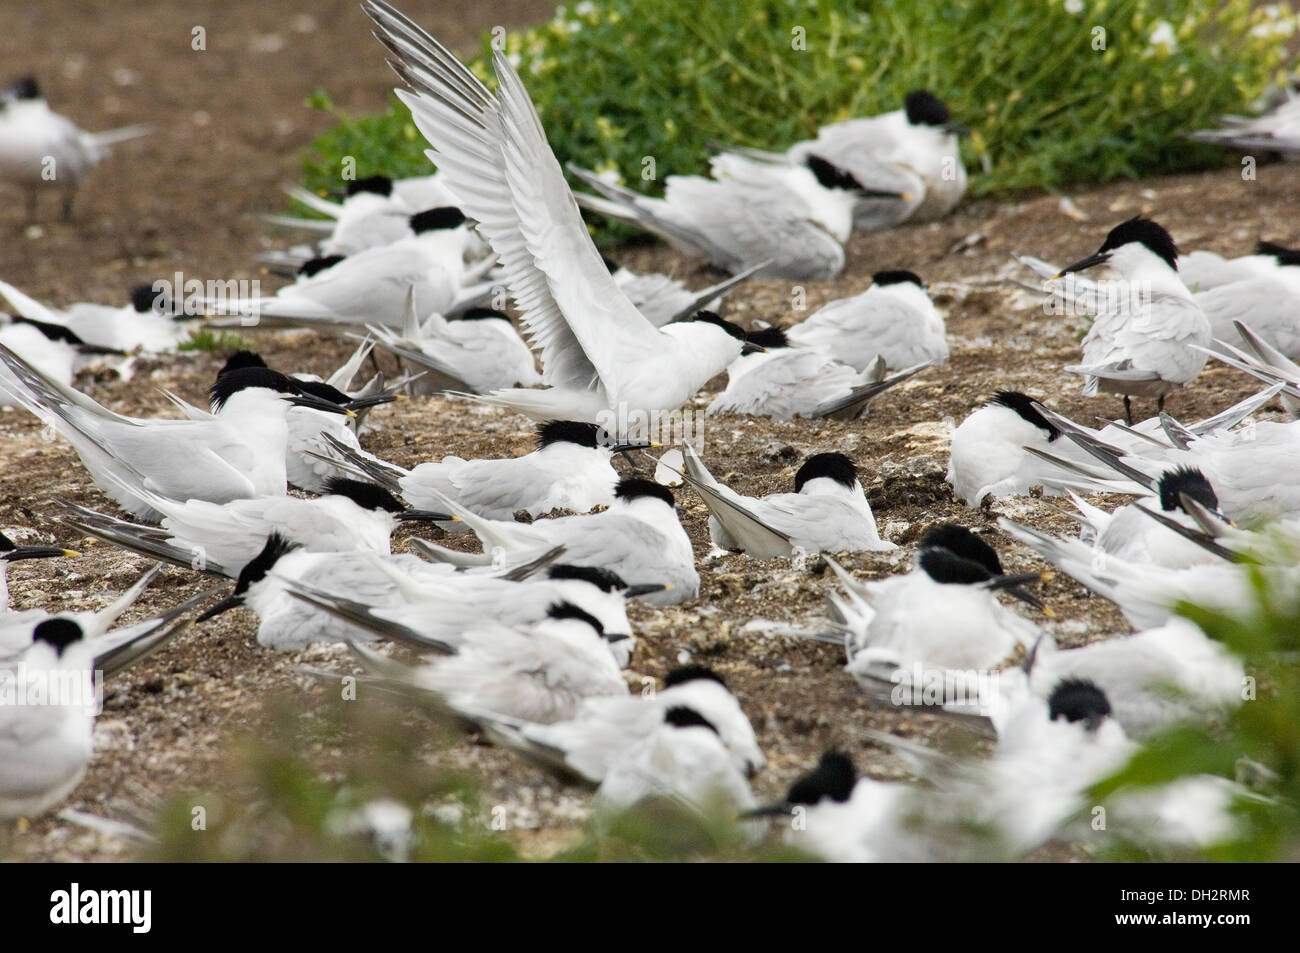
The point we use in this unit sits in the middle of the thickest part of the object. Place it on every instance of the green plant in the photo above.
(206, 339)
(1050, 99)
(1260, 741)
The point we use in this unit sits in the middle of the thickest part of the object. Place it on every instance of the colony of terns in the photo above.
(526, 638)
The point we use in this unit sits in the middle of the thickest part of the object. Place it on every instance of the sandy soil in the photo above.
(231, 124)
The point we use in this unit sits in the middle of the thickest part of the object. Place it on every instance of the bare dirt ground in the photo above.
(231, 127)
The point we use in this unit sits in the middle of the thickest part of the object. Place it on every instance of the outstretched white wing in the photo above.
(494, 156)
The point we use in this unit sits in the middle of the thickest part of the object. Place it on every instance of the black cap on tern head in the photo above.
(1137, 230)
(57, 632)
(944, 566)
(569, 431)
(1077, 699)
(1023, 405)
(378, 184)
(1145, 232)
(323, 390)
(961, 541)
(712, 317)
(834, 466)
(897, 276)
(604, 579)
(1189, 480)
(567, 610)
(924, 108)
(692, 673)
(445, 217)
(681, 716)
(314, 266)
(768, 338)
(241, 359)
(834, 778)
(633, 488)
(255, 569)
(146, 298)
(233, 381)
(24, 87)
(368, 496)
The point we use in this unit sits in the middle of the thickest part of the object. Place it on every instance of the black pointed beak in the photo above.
(425, 516)
(956, 129)
(1096, 258)
(225, 605)
(615, 637)
(749, 347)
(312, 402)
(361, 403)
(631, 445)
(1013, 585)
(632, 592)
(35, 552)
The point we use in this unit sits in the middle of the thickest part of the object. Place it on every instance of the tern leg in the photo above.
(1160, 404)
(1128, 411)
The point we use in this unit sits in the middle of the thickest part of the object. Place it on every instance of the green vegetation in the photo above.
(616, 81)
(206, 339)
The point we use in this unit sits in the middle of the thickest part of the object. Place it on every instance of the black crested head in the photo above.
(569, 431)
(59, 633)
(1189, 480)
(1023, 405)
(323, 391)
(255, 569)
(484, 314)
(368, 496)
(679, 716)
(241, 359)
(945, 566)
(1284, 255)
(924, 108)
(769, 338)
(897, 276)
(962, 542)
(834, 466)
(605, 580)
(146, 298)
(1077, 699)
(692, 673)
(834, 778)
(712, 317)
(1145, 232)
(434, 219)
(25, 87)
(633, 488)
(378, 184)
(232, 382)
(567, 610)
(318, 264)
(831, 176)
